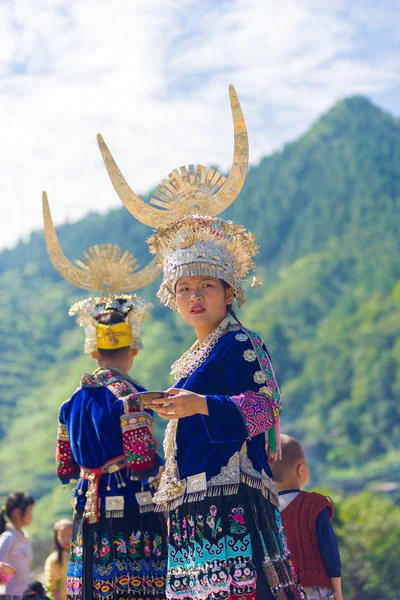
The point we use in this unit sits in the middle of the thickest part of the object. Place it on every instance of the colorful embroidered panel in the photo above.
(259, 412)
(66, 466)
(123, 567)
(223, 547)
(265, 378)
(140, 446)
(210, 554)
(138, 442)
(266, 375)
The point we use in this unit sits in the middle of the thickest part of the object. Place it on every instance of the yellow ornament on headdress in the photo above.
(111, 337)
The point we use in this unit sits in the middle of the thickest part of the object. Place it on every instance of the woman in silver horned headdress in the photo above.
(226, 538)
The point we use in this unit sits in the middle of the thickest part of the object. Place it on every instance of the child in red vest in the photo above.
(307, 518)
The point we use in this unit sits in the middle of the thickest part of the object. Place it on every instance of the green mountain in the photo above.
(326, 212)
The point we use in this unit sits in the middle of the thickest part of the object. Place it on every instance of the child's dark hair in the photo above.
(57, 546)
(111, 318)
(35, 591)
(14, 500)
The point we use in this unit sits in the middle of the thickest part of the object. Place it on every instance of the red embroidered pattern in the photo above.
(65, 463)
(139, 444)
(124, 392)
(259, 412)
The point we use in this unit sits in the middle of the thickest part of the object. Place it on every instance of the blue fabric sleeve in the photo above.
(249, 409)
(224, 422)
(328, 544)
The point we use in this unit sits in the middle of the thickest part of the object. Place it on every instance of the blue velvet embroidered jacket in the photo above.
(105, 437)
(228, 445)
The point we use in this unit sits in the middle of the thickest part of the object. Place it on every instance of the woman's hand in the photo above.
(180, 403)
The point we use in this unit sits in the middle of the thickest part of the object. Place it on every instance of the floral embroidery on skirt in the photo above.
(118, 558)
(229, 547)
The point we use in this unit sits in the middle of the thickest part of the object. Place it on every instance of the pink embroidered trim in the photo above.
(259, 412)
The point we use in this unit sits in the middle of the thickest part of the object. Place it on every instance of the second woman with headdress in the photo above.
(105, 435)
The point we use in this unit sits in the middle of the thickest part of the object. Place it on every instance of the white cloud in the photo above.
(152, 77)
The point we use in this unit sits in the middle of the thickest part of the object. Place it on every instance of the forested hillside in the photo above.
(326, 212)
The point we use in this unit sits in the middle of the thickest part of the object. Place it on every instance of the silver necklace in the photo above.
(190, 360)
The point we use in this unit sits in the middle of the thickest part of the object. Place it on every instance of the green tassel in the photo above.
(272, 445)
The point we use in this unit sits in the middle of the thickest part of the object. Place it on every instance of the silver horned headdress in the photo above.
(196, 245)
(108, 271)
(187, 191)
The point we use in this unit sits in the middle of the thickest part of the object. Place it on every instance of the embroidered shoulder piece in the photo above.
(260, 409)
(265, 376)
(138, 441)
(90, 380)
(122, 388)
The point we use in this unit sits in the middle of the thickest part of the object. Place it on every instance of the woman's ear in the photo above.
(94, 355)
(229, 296)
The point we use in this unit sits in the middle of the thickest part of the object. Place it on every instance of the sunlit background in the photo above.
(153, 78)
(319, 84)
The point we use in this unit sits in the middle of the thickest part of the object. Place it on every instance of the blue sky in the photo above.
(153, 78)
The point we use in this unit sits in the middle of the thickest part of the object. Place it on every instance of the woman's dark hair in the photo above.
(14, 500)
(111, 318)
(57, 546)
(229, 306)
(35, 591)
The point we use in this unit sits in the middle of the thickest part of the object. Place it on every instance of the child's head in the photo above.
(121, 358)
(18, 510)
(62, 537)
(35, 591)
(291, 471)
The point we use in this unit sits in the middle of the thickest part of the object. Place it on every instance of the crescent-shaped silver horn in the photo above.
(60, 262)
(104, 269)
(137, 207)
(231, 188)
(210, 204)
(142, 278)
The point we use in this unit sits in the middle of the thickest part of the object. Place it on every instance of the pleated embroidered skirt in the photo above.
(118, 558)
(230, 547)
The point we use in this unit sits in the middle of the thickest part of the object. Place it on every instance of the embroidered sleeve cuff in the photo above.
(328, 543)
(334, 572)
(139, 444)
(224, 422)
(65, 463)
(259, 412)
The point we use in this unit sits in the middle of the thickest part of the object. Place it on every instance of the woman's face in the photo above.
(64, 535)
(202, 300)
